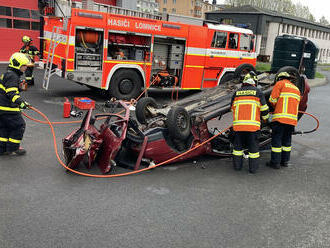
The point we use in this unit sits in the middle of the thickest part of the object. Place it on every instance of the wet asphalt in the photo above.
(198, 203)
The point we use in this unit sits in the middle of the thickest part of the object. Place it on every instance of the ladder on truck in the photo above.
(56, 38)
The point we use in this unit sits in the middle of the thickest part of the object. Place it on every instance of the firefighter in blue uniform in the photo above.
(31, 51)
(12, 125)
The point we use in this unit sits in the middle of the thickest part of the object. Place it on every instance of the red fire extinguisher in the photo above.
(23, 85)
(66, 108)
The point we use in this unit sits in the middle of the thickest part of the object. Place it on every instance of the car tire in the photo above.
(125, 84)
(242, 70)
(141, 109)
(227, 77)
(293, 71)
(178, 123)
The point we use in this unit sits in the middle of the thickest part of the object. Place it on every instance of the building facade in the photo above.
(148, 6)
(194, 8)
(267, 25)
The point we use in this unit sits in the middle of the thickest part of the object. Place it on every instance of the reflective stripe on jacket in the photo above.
(285, 98)
(247, 104)
(10, 98)
(30, 50)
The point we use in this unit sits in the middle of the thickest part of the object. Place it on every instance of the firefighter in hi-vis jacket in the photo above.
(285, 98)
(12, 124)
(31, 51)
(248, 104)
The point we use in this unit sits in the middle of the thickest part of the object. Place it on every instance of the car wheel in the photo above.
(292, 71)
(178, 123)
(227, 77)
(242, 70)
(125, 84)
(142, 110)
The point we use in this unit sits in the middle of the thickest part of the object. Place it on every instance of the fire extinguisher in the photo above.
(66, 108)
(23, 85)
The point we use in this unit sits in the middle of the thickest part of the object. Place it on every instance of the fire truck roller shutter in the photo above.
(125, 84)
(88, 37)
(242, 70)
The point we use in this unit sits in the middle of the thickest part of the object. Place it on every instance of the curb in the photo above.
(317, 82)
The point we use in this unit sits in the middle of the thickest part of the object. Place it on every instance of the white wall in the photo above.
(273, 31)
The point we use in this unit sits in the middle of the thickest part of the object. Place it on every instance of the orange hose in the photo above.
(121, 174)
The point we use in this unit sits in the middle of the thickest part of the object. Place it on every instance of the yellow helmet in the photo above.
(284, 74)
(26, 39)
(17, 60)
(249, 77)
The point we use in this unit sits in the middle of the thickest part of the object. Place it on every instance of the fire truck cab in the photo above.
(124, 54)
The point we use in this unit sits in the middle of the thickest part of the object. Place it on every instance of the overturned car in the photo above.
(160, 133)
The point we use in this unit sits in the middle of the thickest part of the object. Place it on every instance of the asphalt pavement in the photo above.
(197, 203)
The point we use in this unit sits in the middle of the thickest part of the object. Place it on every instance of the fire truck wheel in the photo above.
(227, 77)
(178, 123)
(242, 70)
(125, 84)
(143, 107)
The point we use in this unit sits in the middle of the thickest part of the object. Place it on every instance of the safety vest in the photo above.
(285, 98)
(248, 103)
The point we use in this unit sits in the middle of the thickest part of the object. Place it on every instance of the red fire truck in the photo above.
(123, 54)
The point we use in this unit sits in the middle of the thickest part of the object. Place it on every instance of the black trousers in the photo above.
(12, 127)
(29, 75)
(250, 141)
(281, 142)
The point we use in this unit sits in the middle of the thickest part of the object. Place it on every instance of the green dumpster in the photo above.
(295, 51)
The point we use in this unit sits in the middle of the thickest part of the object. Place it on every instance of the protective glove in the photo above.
(24, 105)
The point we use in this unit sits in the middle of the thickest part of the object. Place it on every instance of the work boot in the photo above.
(274, 166)
(3, 153)
(21, 151)
(285, 164)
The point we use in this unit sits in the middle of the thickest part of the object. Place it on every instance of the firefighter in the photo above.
(248, 104)
(12, 125)
(285, 98)
(31, 51)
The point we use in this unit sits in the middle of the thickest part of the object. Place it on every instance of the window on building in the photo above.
(21, 24)
(35, 14)
(246, 42)
(164, 10)
(35, 25)
(5, 23)
(6, 11)
(219, 40)
(233, 41)
(17, 12)
(174, 1)
(174, 10)
(165, 1)
(226, 21)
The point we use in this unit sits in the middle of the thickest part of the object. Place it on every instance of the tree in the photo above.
(282, 6)
(323, 21)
